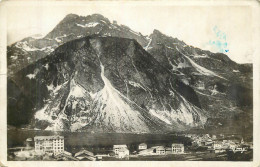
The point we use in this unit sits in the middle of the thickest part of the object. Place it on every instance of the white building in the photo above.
(214, 137)
(28, 142)
(116, 148)
(142, 146)
(232, 146)
(160, 150)
(177, 148)
(123, 153)
(49, 144)
(240, 149)
(217, 145)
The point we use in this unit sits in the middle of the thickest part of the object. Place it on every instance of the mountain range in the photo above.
(90, 74)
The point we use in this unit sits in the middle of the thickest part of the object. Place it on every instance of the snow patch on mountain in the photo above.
(137, 85)
(46, 66)
(50, 87)
(41, 114)
(31, 76)
(203, 93)
(196, 56)
(199, 68)
(91, 24)
(214, 91)
(76, 126)
(14, 57)
(58, 88)
(183, 65)
(76, 90)
(185, 81)
(25, 46)
(148, 45)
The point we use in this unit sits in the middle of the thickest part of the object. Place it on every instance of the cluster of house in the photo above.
(232, 145)
(218, 145)
(121, 151)
(54, 145)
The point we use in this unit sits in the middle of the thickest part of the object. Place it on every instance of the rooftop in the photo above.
(84, 152)
(177, 145)
(120, 146)
(29, 139)
(48, 137)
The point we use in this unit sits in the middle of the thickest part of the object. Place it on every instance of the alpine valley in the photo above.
(90, 74)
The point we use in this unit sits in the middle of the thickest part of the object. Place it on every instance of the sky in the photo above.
(226, 29)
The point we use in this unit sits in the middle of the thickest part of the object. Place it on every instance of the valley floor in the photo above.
(102, 144)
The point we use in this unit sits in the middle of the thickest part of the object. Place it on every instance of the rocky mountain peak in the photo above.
(70, 16)
(101, 76)
(160, 38)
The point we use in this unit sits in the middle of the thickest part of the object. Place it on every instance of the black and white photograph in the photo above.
(129, 81)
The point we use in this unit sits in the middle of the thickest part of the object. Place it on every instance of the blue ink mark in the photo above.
(221, 40)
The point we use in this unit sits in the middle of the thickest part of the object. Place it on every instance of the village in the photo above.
(53, 148)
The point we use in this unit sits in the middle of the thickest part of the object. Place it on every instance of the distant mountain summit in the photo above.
(89, 74)
(29, 50)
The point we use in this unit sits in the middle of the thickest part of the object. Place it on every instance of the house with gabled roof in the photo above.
(177, 148)
(85, 155)
(142, 146)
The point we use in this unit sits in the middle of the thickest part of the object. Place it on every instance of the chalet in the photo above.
(222, 135)
(214, 137)
(49, 144)
(142, 146)
(116, 148)
(226, 144)
(240, 149)
(242, 141)
(99, 158)
(123, 153)
(203, 142)
(232, 146)
(250, 144)
(28, 142)
(160, 150)
(206, 136)
(177, 148)
(85, 155)
(209, 142)
(198, 142)
(217, 145)
(188, 135)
